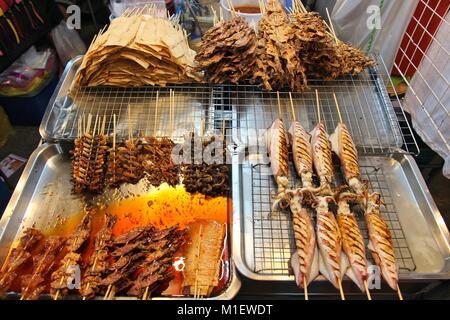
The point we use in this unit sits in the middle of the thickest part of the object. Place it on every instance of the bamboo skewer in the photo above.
(400, 296)
(198, 259)
(337, 107)
(156, 112)
(292, 107)
(341, 291)
(366, 288)
(332, 27)
(305, 288)
(279, 104)
(318, 105)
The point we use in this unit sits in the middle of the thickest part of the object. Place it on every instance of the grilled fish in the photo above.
(305, 260)
(329, 240)
(302, 153)
(343, 145)
(352, 240)
(380, 241)
(278, 153)
(321, 151)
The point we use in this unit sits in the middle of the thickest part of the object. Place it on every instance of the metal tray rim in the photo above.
(248, 273)
(229, 293)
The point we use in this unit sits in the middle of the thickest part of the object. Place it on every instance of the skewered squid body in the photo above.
(321, 150)
(343, 145)
(301, 152)
(352, 240)
(380, 241)
(305, 260)
(329, 240)
(278, 152)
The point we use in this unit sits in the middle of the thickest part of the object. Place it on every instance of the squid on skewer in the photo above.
(380, 242)
(278, 153)
(343, 145)
(352, 240)
(299, 139)
(323, 163)
(305, 260)
(329, 239)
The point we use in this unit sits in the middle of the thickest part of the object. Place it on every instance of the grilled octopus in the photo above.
(380, 241)
(343, 145)
(321, 151)
(352, 239)
(278, 153)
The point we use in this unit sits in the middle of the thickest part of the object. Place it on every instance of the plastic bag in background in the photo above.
(117, 7)
(29, 74)
(352, 20)
(67, 42)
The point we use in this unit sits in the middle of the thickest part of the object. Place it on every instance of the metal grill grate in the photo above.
(273, 239)
(363, 99)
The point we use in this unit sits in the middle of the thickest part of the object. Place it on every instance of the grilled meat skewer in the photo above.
(343, 145)
(278, 152)
(305, 260)
(380, 241)
(329, 239)
(352, 239)
(323, 163)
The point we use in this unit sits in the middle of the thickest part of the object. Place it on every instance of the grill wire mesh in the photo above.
(273, 238)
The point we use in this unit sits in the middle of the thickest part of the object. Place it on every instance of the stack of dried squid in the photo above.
(336, 248)
(227, 51)
(278, 64)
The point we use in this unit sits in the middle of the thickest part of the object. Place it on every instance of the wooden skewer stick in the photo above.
(369, 297)
(203, 131)
(173, 111)
(198, 257)
(332, 27)
(400, 296)
(318, 104)
(341, 291)
(338, 109)
(156, 112)
(279, 104)
(292, 107)
(305, 288)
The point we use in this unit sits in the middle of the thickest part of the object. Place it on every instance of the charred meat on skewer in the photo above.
(33, 284)
(380, 241)
(72, 258)
(17, 257)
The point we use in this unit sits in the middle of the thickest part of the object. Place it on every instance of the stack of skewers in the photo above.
(336, 246)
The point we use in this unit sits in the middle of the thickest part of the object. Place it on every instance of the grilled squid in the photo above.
(329, 240)
(278, 153)
(352, 240)
(321, 151)
(301, 152)
(343, 145)
(380, 241)
(305, 260)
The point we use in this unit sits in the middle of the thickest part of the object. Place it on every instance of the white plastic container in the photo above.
(252, 18)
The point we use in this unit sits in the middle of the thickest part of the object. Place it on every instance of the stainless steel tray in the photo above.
(43, 199)
(262, 246)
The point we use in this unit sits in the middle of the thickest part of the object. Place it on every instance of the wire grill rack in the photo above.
(374, 124)
(273, 238)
